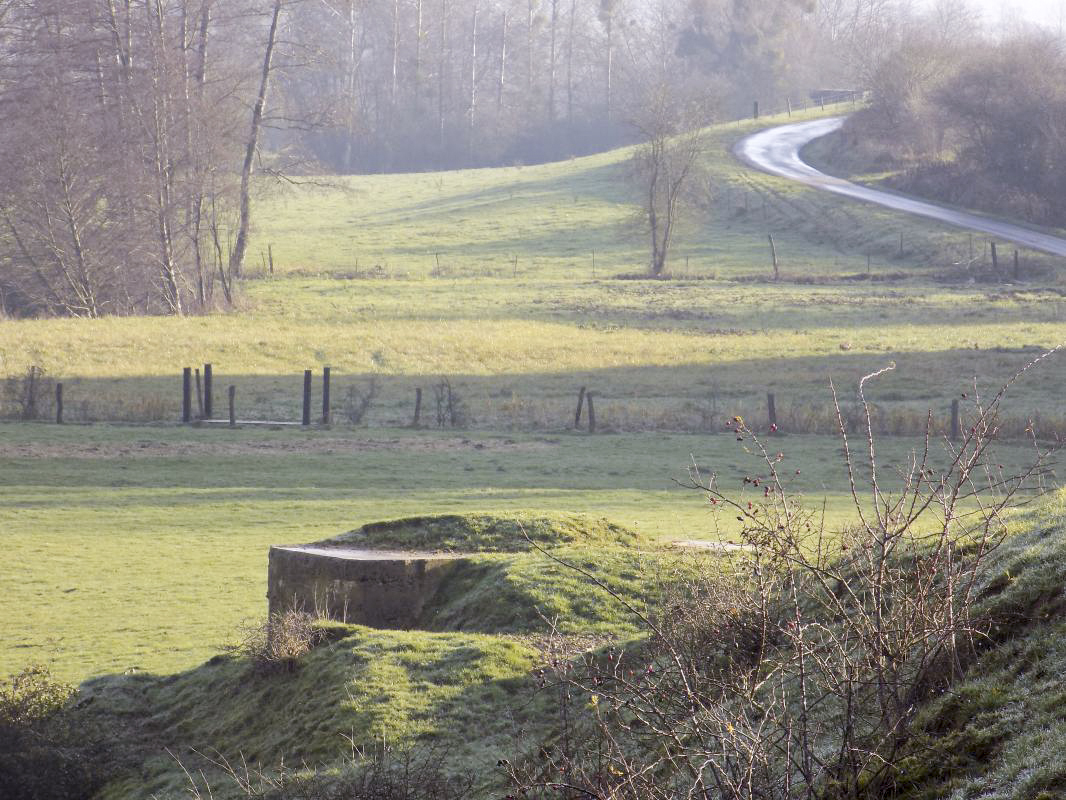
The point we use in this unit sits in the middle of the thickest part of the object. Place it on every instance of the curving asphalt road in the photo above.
(777, 151)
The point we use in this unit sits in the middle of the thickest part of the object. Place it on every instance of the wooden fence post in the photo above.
(327, 416)
(199, 395)
(901, 244)
(771, 410)
(59, 404)
(186, 395)
(955, 423)
(307, 397)
(592, 412)
(1017, 269)
(209, 394)
(756, 112)
(788, 100)
(580, 403)
(233, 406)
(995, 258)
(417, 421)
(773, 255)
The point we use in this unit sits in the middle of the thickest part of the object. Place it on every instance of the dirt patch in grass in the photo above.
(148, 448)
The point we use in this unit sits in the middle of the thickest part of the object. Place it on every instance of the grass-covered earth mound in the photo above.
(464, 687)
(517, 571)
(998, 732)
(488, 533)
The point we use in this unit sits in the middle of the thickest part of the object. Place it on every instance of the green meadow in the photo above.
(136, 546)
(517, 285)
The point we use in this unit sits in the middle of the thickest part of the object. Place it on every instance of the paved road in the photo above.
(777, 151)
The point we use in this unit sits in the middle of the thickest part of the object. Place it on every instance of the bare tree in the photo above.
(674, 140)
(236, 261)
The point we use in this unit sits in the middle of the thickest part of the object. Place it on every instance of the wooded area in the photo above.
(973, 122)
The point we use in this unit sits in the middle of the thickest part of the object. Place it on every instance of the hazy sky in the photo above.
(1045, 11)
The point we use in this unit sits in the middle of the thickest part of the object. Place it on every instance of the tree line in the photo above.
(972, 120)
(132, 130)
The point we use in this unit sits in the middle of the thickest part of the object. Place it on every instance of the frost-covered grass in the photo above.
(1000, 732)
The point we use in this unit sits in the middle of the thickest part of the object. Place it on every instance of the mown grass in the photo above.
(658, 355)
(144, 548)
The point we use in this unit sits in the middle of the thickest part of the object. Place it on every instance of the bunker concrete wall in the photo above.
(389, 592)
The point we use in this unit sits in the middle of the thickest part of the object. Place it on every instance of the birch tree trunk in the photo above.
(502, 77)
(236, 261)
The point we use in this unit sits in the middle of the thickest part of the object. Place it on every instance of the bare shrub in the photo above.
(358, 400)
(451, 409)
(278, 642)
(794, 667)
(29, 396)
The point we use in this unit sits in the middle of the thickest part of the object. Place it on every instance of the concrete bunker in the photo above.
(415, 572)
(377, 588)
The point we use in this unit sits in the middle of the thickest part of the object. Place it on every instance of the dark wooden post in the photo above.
(995, 258)
(788, 100)
(59, 404)
(417, 421)
(209, 402)
(186, 395)
(327, 416)
(955, 426)
(901, 244)
(773, 255)
(771, 409)
(580, 403)
(592, 412)
(233, 406)
(756, 112)
(199, 395)
(307, 397)
(1017, 269)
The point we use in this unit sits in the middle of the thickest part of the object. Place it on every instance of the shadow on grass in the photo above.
(696, 396)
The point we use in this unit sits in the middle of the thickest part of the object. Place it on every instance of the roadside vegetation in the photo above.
(966, 122)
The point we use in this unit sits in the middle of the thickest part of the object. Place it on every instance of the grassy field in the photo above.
(407, 278)
(138, 550)
(403, 279)
(145, 548)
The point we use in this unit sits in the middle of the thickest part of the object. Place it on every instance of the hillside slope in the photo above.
(999, 732)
